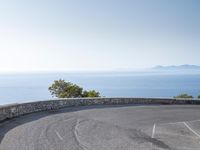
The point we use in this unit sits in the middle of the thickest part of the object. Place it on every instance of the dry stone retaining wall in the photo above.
(10, 111)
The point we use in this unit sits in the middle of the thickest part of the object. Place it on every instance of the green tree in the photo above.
(62, 89)
(198, 97)
(184, 95)
(91, 93)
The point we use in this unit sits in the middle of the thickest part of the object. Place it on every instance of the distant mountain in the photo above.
(181, 67)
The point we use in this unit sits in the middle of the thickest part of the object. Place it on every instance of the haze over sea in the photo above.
(25, 87)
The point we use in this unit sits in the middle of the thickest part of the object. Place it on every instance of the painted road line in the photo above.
(171, 123)
(59, 136)
(193, 121)
(191, 129)
(178, 122)
(153, 131)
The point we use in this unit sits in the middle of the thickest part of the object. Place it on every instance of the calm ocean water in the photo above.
(18, 88)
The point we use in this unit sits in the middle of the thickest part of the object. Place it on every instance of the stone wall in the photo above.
(10, 111)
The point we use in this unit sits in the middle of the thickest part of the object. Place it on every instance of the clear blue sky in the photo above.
(98, 34)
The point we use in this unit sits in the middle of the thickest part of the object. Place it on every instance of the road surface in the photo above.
(172, 127)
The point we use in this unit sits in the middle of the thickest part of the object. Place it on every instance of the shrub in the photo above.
(91, 93)
(184, 95)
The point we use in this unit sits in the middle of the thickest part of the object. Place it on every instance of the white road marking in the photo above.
(194, 121)
(178, 122)
(191, 129)
(171, 123)
(59, 136)
(153, 131)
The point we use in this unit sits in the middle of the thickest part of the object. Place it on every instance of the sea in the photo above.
(28, 87)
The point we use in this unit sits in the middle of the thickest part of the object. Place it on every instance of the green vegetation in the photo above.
(91, 93)
(184, 95)
(62, 89)
(198, 97)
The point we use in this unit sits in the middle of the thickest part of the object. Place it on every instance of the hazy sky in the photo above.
(98, 34)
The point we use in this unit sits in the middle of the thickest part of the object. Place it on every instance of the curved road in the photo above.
(105, 128)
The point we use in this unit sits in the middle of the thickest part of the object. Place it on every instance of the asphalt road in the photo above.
(105, 128)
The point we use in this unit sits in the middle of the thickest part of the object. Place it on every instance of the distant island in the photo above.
(180, 67)
(176, 69)
(163, 69)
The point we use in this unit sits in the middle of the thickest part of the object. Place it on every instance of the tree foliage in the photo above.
(184, 95)
(62, 89)
(198, 97)
(91, 93)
